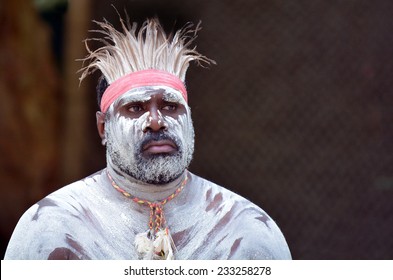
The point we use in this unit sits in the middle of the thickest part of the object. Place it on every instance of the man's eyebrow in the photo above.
(132, 99)
(172, 97)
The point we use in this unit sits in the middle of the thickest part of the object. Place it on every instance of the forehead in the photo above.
(144, 94)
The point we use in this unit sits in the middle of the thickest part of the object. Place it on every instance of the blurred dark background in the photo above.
(297, 116)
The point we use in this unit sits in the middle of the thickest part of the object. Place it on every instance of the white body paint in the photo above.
(91, 220)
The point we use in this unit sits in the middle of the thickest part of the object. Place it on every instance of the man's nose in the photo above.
(156, 121)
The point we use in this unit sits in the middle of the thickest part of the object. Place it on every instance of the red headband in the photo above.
(142, 78)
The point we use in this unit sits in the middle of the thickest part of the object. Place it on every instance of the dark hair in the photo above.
(100, 89)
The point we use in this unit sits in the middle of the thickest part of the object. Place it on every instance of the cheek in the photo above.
(125, 129)
(141, 123)
(120, 128)
(181, 126)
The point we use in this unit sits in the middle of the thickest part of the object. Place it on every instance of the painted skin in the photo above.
(89, 219)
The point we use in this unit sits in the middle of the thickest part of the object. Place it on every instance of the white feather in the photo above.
(149, 48)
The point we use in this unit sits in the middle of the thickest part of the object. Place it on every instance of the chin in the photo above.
(158, 169)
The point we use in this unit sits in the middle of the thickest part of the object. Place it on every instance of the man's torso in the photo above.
(90, 220)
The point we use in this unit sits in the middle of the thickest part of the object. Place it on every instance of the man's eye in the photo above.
(170, 107)
(135, 108)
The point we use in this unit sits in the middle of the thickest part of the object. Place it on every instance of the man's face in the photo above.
(150, 135)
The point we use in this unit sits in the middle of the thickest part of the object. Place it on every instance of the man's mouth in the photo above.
(160, 147)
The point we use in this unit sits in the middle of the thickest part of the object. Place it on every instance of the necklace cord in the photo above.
(156, 216)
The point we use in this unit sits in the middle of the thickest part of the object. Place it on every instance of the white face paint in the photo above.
(126, 137)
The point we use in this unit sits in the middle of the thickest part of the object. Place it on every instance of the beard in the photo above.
(159, 169)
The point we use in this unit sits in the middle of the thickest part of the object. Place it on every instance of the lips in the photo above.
(160, 147)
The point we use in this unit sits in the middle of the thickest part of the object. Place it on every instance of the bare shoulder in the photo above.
(45, 229)
(249, 231)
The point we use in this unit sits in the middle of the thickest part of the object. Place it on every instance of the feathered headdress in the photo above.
(132, 51)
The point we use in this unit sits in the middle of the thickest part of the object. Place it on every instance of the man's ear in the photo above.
(101, 126)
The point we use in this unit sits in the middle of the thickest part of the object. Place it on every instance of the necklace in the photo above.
(156, 242)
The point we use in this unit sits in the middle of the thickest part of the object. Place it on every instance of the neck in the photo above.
(142, 190)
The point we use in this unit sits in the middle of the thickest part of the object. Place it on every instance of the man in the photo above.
(145, 204)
